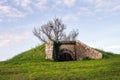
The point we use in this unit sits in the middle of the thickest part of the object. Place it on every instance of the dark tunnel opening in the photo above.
(65, 56)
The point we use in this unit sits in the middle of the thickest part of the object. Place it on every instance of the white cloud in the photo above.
(4, 42)
(107, 5)
(4, 9)
(3, 1)
(8, 11)
(25, 4)
(104, 7)
(99, 8)
(85, 11)
(41, 4)
(69, 3)
(22, 8)
(14, 13)
(71, 17)
(90, 1)
(9, 39)
(117, 7)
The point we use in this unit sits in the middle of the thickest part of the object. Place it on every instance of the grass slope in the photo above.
(35, 54)
(31, 65)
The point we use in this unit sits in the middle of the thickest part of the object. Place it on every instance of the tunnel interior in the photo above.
(65, 56)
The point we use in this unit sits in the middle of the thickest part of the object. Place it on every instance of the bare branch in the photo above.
(73, 35)
(38, 34)
(54, 30)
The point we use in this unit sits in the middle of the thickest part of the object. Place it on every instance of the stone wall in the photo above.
(70, 48)
(84, 51)
(79, 50)
(49, 50)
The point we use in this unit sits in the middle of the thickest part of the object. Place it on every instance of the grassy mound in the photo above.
(31, 65)
(38, 54)
(35, 54)
(106, 54)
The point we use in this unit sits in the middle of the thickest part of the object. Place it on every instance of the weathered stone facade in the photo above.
(49, 50)
(72, 50)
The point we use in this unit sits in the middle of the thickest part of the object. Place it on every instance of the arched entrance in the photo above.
(65, 56)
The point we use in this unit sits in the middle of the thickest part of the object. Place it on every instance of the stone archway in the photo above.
(66, 55)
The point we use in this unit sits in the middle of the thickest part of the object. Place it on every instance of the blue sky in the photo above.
(98, 22)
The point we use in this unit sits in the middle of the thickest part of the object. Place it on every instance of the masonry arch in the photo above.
(66, 55)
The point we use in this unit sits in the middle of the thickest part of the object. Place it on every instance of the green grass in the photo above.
(31, 65)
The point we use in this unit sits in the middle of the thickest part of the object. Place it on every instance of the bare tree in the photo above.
(55, 31)
(73, 35)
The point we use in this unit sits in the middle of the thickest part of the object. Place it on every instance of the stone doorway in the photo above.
(65, 56)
